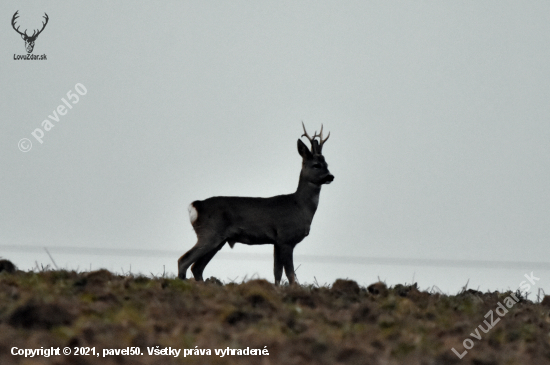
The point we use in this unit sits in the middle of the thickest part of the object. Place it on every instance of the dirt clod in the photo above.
(7, 266)
(378, 288)
(40, 316)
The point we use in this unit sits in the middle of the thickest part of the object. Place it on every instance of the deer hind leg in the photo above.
(198, 267)
(203, 246)
(283, 258)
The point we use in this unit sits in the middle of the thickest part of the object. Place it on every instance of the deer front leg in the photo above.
(288, 263)
(283, 258)
(278, 266)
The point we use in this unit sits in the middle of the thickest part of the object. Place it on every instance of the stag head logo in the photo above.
(29, 40)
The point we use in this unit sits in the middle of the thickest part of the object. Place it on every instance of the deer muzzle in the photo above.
(328, 179)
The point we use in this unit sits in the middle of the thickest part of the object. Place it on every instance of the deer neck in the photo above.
(307, 195)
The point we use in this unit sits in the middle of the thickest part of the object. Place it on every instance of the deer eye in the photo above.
(317, 166)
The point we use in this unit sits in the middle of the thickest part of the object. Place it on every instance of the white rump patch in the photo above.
(193, 214)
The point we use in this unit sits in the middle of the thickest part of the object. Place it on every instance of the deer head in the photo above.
(29, 40)
(314, 166)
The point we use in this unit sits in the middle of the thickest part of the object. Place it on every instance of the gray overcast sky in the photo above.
(438, 113)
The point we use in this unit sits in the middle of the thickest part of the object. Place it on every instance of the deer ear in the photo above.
(303, 150)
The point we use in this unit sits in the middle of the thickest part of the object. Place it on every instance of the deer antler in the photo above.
(307, 135)
(320, 135)
(316, 146)
(34, 34)
(15, 16)
(43, 26)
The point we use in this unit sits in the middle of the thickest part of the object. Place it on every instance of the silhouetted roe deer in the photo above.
(282, 220)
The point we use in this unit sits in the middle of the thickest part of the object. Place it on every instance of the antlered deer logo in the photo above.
(29, 40)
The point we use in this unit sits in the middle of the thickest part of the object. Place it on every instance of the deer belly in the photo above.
(252, 238)
(261, 237)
